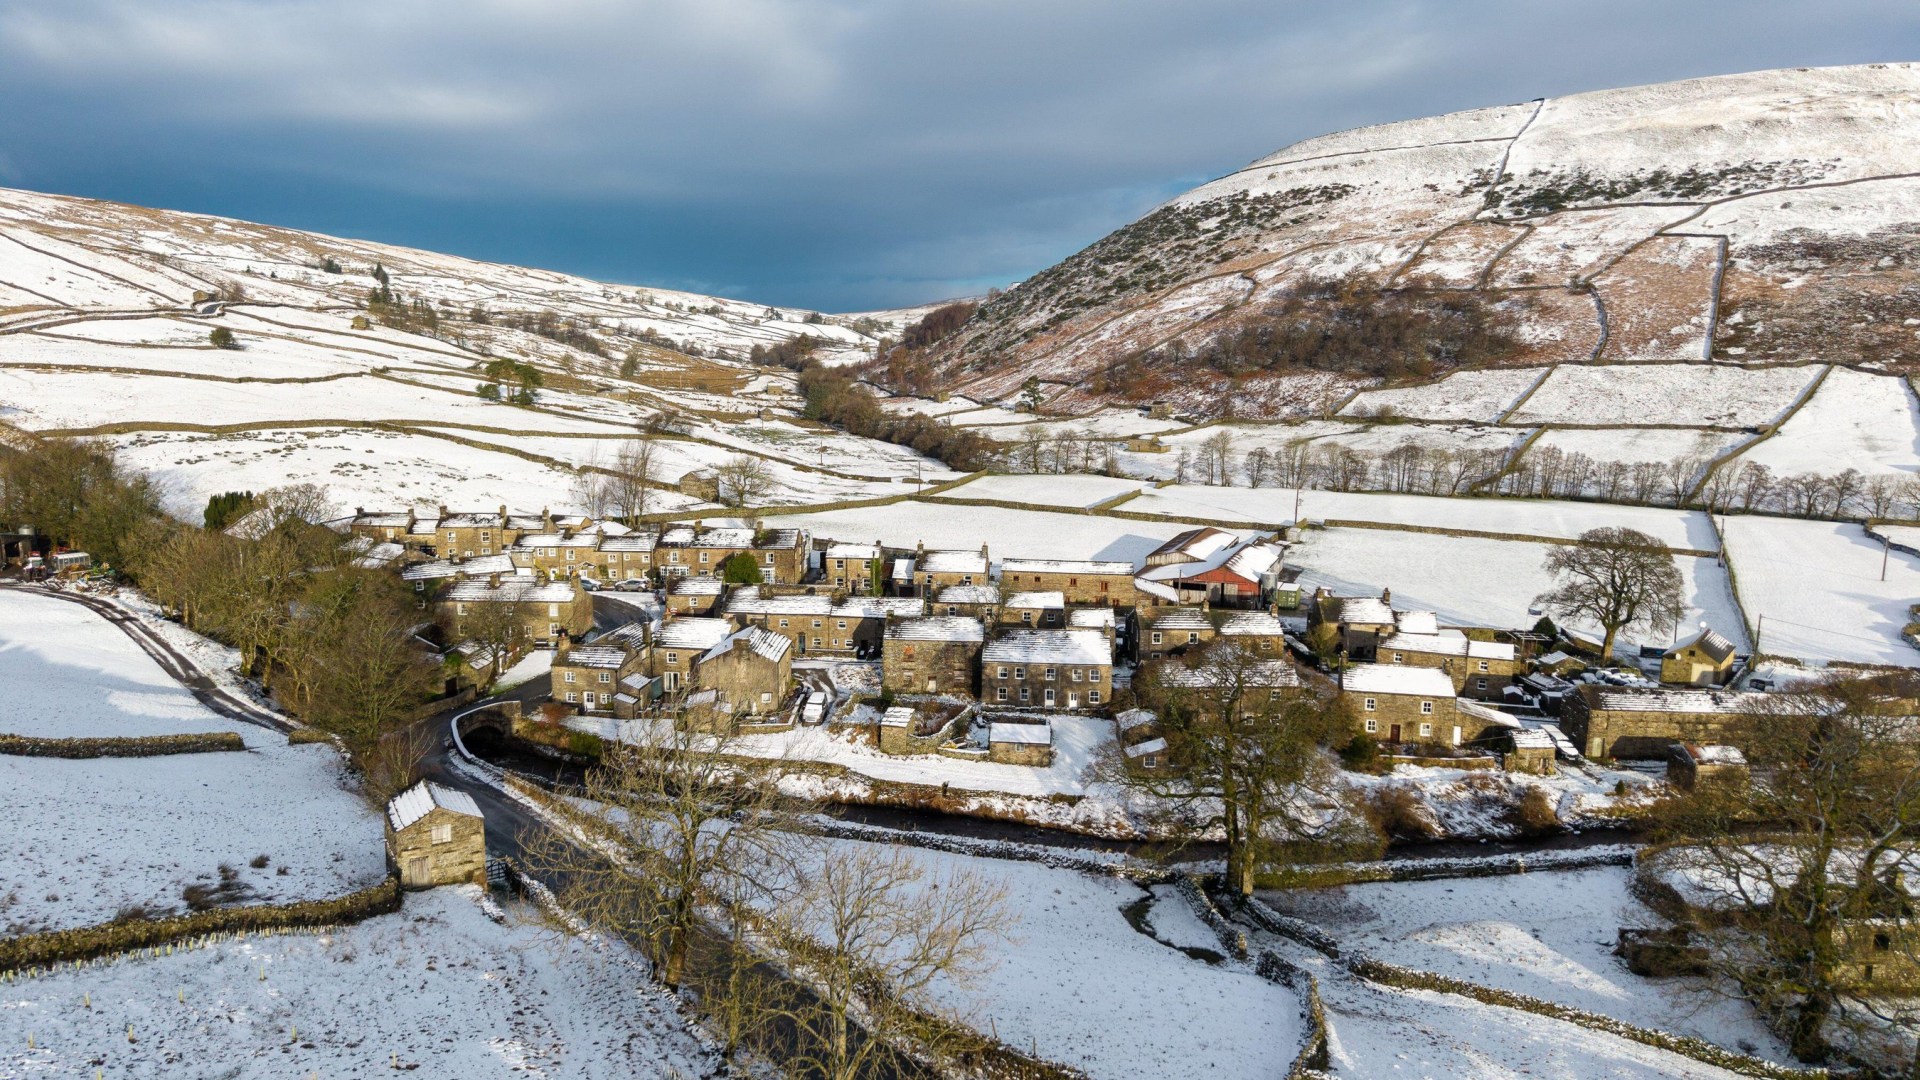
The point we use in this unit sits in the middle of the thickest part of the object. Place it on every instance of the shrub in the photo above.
(740, 569)
(1361, 754)
(1397, 812)
(302, 736)
(222, 338)
(258, 862)
(1535, 814)
(585, 744)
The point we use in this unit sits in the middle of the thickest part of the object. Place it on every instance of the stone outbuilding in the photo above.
(751, 669)
(1020, 744)
(1691, 765)
(436, 836)
(1526, 750)
(1605, 721)
(1705, 659)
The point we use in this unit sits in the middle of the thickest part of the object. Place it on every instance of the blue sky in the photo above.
(828, 154)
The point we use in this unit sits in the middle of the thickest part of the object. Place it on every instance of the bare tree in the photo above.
(869, 935)
(1755, 485)
(1619, 578)
(742, 480)
(1258, 466)
(1880, 494)
(592, 486)
(677, 828)
(1807, 864)
(1843, 490)
(1244, 739)
(632, 479)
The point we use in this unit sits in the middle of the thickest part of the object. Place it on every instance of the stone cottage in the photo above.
(1705, 659)
(937, 654)
(751, 669)
(1020, 744)
(436, 836)
(1051, 669)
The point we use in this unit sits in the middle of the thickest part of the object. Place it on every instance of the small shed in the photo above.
(1690, 765)
(1527, 750)
(1705, 659)
(436, 836)
(1020, 744)
(1149, 756)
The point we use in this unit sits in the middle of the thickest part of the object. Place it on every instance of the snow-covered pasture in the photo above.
(434, 987)
(1523, 517)
(1007, 533)
(358, 467)
(1816, 585)
(1681, 395)
(1044, 490)
(1547, 934)
(1475, 582)
(1633, 445)
(1082, 987)
(1464, 395)
(71, 674)
(1854, 421)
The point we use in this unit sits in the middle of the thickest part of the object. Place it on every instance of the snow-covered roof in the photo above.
(903, 569)
(1678, 701)
(728, 537)
(692, 633)
(897, 716)
(1195, 543)
(1718, 648)
(592, 656)
(383, 520)
(1048, 647)
(1530, 739)
(764, 642)
(375, 556)
(1155, 745)
(556, 540)
(1416, 622)
(470, 521)
(1180, 618)
(512, 590)
(1254, 561)
(952, 562)
(862, 552)
(1363, 610)
(1397, 679)
(628, 634)
(1485, 713)
(1092, 618)
(1046, 601)
(1252, 624)
(1713, 755)
(1148, 587)
(1556, 658)
(936, 628)
(1250, 560)
(695, 586)
(483, 566)
(1273, 674)
(422, 798)
(748, 601)
(1023, 734)
(632, 542)
(1091, 568)
(1134, 718)
(1447, 645)
(879, 607)
(968, 594)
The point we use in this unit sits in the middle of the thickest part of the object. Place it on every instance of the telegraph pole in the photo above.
(1886, 545)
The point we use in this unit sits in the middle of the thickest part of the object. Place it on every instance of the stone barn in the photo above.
(1020, 744)
(436, 836)
(1690, 765)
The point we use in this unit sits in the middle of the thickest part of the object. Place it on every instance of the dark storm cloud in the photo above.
(831, 154)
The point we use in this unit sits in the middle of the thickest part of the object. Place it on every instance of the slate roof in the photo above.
(1717, 647)
(1091, 568)
(422, 798)
(1048, 647)
(937, 628)
(764, 642)
(1397, 679)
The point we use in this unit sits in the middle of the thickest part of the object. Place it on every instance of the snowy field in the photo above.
(1464, 395)
(97, 835)
(1475, 582)
(1549, 935)
(1855, 420)
(1525, 517)
(1026, 534)
(71, 674)
(1631, 445)
(435, 987)
(1682, 395)
(1082, 987)
(1046, 490)
(1817, 585)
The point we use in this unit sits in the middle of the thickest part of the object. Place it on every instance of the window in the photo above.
(1052, 674)
(1026, 616)
(606, 676)
(1000, 693)
(1193, 637)
(1093, 675)
(443, 834)
(1003, 671)
(953, 609)
(553, 611)
(816, 624)
(1399, 658)
(783, 624)
(1156, 637)
(673, 658)
(571, 696)
(1483, 665)
(1371, 704)
(1151, 761)
(1020, 673)
(569, 554)
(703, 557)
(1426, 730)
(1026, 695)
(816, 641)
(1093, 697)
(1480, 684)
(1071, 582)
(1426, 708)
(843, 624)
(1103, 586)
(1074, 674)
(1372, 725)
(568, 677)
(765, 696)
(1882, 942)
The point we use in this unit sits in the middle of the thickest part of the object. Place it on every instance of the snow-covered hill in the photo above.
(107, 312)
(1758, 219)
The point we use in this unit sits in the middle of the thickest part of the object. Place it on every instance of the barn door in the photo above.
(417, 871)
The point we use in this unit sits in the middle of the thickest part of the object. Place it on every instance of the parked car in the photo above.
(589, 584)
(815, 709)
(633, 584)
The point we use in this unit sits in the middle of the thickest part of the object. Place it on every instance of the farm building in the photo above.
(436, 836)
